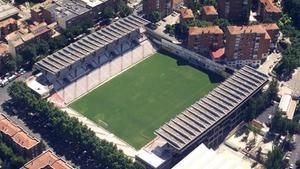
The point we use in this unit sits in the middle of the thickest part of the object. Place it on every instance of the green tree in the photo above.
(73, 135)
(9, 157)
(193, 5)
(11, 64)
(42, 47)
(210, 2)
(122, 8)
(29, 54)
(282, 125)
(108, 12)
(291, 7)
(274, 159)
(222, 23)
(154, 16)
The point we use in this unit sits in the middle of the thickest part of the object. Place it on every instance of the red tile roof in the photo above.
(8, 21)
(205, 30)
(16, 133)
(270, 7)
(47, 160)
(246, 29)
(270, 26)
(210, 10)
(218, 53)
(186, 13)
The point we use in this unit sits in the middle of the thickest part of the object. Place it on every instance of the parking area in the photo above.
(270, 63)
(169, 20)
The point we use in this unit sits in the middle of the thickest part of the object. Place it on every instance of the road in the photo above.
(293, 82)
(5, 97)
(296, 152)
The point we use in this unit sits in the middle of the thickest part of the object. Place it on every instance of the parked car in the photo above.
(4, 82)
(12, 78)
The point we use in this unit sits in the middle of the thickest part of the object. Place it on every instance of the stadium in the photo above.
(116, 78)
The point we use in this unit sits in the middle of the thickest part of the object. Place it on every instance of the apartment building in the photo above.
(7, 26)
(273, 31)
(235, 10)
(18, 39)
(209, 13)
(204, 40)
(20, 140)
(3, 55)
(39, 13)
(186, 15)
(246, 45)
(268, 10)
(7, 11)
(164, 7)
(67, 13)
(47, 160)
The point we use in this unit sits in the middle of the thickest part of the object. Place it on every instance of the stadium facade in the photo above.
(207, 121)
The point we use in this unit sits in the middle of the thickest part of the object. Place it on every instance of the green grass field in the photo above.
(137, 102)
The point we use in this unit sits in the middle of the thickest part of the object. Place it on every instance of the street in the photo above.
(296, 152)
(5, 97)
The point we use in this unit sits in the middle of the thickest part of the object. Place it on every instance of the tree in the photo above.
(210, 2)
(154, 16)
(11, 64)
(193, 5)
(108, 12)
(260, 102)
(9, 157)
(170, 29)
(42, 47)
(29, 54)
(274, 159)
(122, 8)
(73, 134)
(282, 125)
(292, 7)
(222, 23)
(285, 20)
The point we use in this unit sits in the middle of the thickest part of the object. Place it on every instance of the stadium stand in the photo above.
(92, 51)
(208, 120)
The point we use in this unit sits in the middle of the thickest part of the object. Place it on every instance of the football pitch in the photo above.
(137, 102)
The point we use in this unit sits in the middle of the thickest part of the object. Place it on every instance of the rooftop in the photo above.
(210, 10)
(18, 135)
(203, 157)
(209, 110)
(6, 22)
(205, 30)
(7, 10)
(270, 26)
(80, 49)
(270, 7)
(235, 30)
(186, 13)
(47, 160)
(3, 48)
(66, 9)
(93, 3)
(22, 35)
(217, 54)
